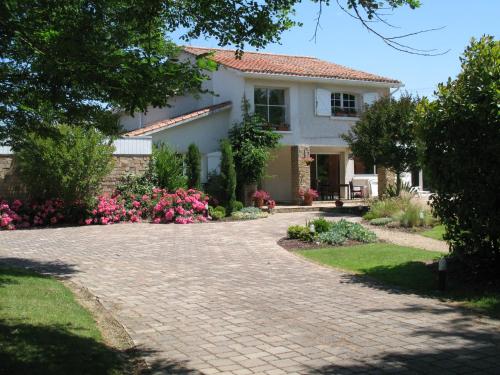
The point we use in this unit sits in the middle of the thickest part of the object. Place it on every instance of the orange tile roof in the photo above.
(160, 125)
(267, 63)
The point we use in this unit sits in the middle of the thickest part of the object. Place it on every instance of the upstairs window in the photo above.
(343, 104)
(270, 105)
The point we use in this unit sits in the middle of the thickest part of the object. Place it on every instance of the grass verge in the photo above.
(43, 330)
(436, 233)
(403, 267)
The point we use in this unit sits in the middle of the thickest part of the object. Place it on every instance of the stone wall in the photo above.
(386, 178)
(301, 171)
(10, 186)
(123, 165)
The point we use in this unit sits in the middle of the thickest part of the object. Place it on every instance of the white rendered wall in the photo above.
(278, 180)
(205, 132)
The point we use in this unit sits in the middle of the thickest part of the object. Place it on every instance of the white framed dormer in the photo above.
(273, 105)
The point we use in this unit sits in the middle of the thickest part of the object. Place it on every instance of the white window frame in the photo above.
(342, 103)
(267, 105)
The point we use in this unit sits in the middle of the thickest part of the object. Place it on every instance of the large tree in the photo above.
(77, 61)
(460, 134)
(385, 135)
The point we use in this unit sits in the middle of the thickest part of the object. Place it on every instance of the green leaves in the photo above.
(227, 175)
(386, 135)
(252, 144)
(460, 136)
(193, 167)
(168, 168)
(70, 164)
(80, 62)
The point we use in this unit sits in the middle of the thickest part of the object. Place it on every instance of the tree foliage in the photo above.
(385, 135)
(69, 165)
(193, 167)
(74, 61)
(227, 176)
(460, 134)
(252, 142)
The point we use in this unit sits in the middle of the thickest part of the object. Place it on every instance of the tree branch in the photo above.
(388, 40)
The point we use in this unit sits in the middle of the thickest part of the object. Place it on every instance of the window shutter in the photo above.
(323, 102)
(370, 97)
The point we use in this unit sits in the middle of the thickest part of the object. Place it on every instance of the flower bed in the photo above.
(159, 206)
(332, 233)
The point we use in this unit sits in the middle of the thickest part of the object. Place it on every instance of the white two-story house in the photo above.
(309, 101)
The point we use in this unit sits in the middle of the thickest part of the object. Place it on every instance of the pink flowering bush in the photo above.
(181, 207)
(159, 206)
(20, 214)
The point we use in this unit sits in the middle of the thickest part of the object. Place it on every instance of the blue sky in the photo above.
(344, 41)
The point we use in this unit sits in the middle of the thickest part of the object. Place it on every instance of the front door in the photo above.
(325, 175)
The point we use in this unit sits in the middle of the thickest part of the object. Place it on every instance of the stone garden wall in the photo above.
(123, 165)
(131, 156)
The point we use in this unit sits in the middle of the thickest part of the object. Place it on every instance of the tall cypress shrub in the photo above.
(227, 175)
(193, 166)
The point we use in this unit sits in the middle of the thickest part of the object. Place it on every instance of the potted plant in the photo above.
(270, 205)
(259, 197)
(338, 203)
(308, 195)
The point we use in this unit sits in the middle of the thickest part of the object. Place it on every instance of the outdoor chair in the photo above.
(357, 191)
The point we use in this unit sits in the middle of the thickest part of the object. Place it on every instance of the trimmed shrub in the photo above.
(299, 232)
(381, 221)
(321, 225)
(69, 165)
(193, 167)
(228, 176)
(217, 213)
(238, 206)
(167, 168)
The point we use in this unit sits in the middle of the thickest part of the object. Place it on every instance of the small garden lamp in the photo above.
(312, 229)
(442, 270)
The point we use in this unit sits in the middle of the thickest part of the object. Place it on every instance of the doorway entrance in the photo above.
(325, 175)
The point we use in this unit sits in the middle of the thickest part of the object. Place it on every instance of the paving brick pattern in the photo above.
(224, 298)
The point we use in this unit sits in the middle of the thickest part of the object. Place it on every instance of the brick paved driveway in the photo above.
(223, 297)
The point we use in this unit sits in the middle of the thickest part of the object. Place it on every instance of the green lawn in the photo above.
(43, 330)
(403, 267)
(437, 232)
